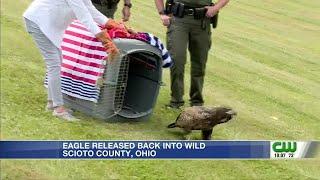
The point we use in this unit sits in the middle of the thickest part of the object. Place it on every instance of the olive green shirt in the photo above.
(106, 2)
(195, 2)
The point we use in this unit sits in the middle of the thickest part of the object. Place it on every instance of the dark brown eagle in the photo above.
(202, 118)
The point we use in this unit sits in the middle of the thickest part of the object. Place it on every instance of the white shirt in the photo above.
(54, 16)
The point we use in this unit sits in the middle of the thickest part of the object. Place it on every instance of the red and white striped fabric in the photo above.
(83, 63)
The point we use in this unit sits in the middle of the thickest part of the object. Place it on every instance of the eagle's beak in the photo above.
(231, 112)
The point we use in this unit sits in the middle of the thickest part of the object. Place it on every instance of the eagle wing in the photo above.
(195, 118)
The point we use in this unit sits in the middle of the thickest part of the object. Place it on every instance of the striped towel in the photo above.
(154, 41)
(83, 62)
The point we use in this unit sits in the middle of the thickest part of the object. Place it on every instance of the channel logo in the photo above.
(284, 149)
(288, 149)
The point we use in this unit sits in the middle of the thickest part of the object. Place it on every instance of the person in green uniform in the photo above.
(187, 29)
(109, 7)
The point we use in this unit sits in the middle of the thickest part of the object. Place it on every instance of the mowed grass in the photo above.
(265, 63)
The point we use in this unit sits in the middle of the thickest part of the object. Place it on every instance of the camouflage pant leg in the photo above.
(109, 12)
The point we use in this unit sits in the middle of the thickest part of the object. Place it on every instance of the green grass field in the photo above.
(265, 63)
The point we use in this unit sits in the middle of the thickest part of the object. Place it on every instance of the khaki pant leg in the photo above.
(177, 41)
(199, 46)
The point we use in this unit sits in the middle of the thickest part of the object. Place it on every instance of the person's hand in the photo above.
(211, 11)
(108, 44)
(127, 28)
(165, 19)
(130, 30)
(126, 13)
(113, 24)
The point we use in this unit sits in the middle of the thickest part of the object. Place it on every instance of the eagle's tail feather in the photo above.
(172, 125)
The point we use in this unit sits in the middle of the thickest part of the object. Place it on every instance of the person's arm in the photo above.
(164, 18)
(99, 18)
(81, 10)
(96, 15)
(213, 10)
(126, 10)
(84, 16)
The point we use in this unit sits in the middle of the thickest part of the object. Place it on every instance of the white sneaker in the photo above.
(65, 115)
(49, 107)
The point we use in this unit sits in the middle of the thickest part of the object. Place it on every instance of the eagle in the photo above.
(202, 118)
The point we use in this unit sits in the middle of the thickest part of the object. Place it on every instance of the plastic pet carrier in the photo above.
(130, 84)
